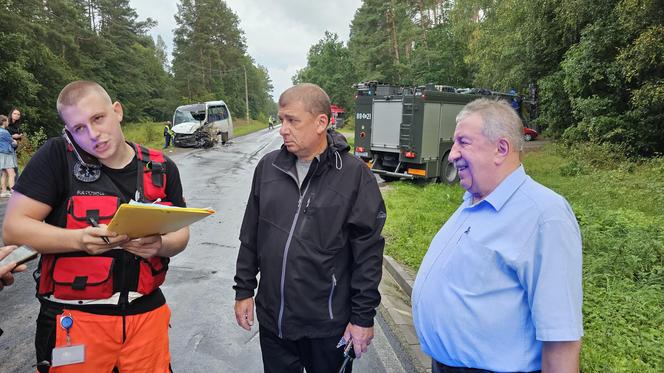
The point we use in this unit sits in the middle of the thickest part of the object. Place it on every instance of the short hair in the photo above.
(499, 120)
(73, 92)
(4, 118)
(314, 98)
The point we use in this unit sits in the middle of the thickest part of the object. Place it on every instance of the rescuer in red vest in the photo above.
(101, 306)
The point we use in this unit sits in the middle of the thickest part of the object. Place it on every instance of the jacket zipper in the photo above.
(329, 299)
(283, 262)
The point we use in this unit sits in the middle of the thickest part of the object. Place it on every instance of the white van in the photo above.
(202, 125)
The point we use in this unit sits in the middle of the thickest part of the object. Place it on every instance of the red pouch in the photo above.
(45, 277)
(80, 207)
(83, 277)
(152, 274)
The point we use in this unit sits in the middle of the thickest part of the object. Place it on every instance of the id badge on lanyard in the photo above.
(69, 354)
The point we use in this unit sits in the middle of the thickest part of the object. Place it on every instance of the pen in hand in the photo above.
(94, 223)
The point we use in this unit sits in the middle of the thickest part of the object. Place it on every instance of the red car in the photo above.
(529, 134)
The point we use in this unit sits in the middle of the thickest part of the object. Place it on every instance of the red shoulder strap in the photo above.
(152, 173)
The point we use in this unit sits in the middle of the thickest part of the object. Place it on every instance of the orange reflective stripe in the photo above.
(145, 349)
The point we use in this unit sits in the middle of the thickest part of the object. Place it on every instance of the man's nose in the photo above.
(94, 132)
(454, 153)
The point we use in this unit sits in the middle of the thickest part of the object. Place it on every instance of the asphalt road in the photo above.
(204, 336)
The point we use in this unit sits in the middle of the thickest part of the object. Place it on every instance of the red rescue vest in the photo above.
(80, 276)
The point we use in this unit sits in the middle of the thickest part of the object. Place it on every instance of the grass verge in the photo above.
(243, 127)
(618, 205)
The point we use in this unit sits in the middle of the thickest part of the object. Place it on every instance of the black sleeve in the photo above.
(246, 267)
(173, 184)
(366, 222)
(45, 175)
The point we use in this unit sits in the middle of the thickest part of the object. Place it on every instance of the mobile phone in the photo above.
(86, 158)
(20, 255)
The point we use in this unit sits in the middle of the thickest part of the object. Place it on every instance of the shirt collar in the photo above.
(503, 191)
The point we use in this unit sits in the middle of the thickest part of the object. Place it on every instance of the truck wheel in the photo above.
(527, 137)
(224, 138)
(449, 174)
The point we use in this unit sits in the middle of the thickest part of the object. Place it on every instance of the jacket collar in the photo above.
(336, 143)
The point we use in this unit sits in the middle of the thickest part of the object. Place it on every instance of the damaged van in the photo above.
(202, 125)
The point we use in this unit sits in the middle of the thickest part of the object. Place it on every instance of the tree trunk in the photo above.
(424, 22)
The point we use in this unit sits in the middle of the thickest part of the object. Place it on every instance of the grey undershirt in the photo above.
(302, 170)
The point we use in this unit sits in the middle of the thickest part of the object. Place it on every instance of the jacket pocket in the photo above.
(83, 277)
(152, 274)
(329, 299)
(80, 208)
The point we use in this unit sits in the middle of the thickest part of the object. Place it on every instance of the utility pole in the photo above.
(246, 91)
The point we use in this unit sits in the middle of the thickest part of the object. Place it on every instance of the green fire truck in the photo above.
(406, 133)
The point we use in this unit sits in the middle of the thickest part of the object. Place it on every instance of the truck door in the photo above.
(385, 125)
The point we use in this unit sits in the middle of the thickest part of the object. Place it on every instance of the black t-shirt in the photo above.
(14, 128)
(46, 177)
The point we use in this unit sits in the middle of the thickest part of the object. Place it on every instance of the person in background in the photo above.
(168, 134)
(312, 227)
(14, 128)
(7, 159)
(97, 289)
(499, 289)
(270, 122)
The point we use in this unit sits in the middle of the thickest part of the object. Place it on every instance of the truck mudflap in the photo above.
(397, 175)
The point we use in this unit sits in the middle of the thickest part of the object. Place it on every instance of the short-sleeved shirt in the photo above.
(501, 276)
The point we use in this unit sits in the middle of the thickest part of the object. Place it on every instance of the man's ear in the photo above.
(117, 109)
(502, 150)
(321, 123)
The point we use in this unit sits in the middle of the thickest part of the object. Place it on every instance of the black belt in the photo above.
(438, 367)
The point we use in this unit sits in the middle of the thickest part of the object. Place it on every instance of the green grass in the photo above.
(242, 127)
(619, 207)
(150, 134)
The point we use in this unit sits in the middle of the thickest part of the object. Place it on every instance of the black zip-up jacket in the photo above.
(318, 247)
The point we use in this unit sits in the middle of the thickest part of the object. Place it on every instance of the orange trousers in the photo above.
(144, 350)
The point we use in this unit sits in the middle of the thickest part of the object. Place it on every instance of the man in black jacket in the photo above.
(312, 227)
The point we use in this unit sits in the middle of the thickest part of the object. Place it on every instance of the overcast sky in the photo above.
(278, 33)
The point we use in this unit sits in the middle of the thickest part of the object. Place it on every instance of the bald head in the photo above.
(314, 98)
(73, 92)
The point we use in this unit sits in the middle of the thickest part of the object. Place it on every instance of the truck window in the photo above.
(216, 113)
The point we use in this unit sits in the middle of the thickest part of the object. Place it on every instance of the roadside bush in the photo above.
(585, 157)
(30, 144)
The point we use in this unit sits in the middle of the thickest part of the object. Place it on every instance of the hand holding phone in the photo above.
(20, 255)
(9, 255)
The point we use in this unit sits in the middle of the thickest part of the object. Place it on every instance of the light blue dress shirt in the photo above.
(501, 276)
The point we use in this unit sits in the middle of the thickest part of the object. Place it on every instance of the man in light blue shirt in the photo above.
(500, 286)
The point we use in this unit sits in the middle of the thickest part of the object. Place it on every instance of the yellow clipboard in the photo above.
(140, 220)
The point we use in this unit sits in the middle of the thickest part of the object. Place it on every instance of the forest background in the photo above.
(594, 67)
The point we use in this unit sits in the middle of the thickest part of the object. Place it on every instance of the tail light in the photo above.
(410, 154)
(363, 134)
(360, 149)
